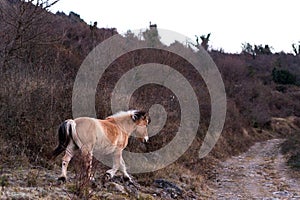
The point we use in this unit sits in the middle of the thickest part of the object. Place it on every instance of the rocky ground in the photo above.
(260, 173)
(42, 184)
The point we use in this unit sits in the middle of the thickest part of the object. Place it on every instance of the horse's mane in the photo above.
(123, 114)
(133, 114)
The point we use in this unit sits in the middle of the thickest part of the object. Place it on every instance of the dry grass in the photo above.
(290, 127)
(36, 97)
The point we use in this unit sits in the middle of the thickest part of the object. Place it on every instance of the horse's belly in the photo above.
(104, 147)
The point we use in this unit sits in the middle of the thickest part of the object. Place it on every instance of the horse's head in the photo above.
(141, 120)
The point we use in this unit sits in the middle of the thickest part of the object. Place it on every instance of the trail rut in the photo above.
(260, 173)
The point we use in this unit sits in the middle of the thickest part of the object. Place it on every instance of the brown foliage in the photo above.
(38, 67)
(39, 76)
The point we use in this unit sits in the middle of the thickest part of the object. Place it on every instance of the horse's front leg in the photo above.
(123, 169)
(116, 164)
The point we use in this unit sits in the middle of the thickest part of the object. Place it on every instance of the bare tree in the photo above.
(25, 26)
(151, 35)
(247, 48)
(296, 49)
(204, 41)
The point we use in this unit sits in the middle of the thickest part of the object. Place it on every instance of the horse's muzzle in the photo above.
(146, 139)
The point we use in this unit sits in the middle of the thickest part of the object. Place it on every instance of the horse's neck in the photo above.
(125, 124)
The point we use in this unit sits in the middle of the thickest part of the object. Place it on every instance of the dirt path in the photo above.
(260, 173)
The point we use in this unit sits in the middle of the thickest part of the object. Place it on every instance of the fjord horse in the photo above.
(105, 136)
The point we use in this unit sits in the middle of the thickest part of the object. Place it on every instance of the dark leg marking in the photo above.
(62, 179)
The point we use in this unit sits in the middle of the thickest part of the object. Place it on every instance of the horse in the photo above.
(108, 136)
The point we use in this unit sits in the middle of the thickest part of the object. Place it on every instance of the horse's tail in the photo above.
(64, 136)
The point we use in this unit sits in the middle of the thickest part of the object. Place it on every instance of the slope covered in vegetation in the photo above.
(41, 52)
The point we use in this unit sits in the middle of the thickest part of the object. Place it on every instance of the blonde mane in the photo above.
(122, 114)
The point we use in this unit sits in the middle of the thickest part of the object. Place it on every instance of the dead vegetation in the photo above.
(38, 77)
(291, 147)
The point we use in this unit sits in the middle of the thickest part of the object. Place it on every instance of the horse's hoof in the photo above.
(125, 178)
(128, 179)
(130, 182)
(106, 177)
(94, 184)
(62, 179)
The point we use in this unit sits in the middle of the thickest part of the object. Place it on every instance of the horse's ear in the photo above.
(137, 115)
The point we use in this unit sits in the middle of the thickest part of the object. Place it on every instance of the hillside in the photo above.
(41, 53)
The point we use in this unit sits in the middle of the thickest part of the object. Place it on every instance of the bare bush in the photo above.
(26, 27)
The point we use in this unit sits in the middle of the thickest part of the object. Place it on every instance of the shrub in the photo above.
(291, 148)
(283, 77)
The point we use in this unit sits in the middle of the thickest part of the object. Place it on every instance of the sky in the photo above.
(230, 22)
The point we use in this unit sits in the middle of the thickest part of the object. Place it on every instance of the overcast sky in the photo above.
(230, 22)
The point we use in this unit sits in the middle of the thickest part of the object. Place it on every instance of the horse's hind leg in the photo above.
(65, 161)
(88, 160)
